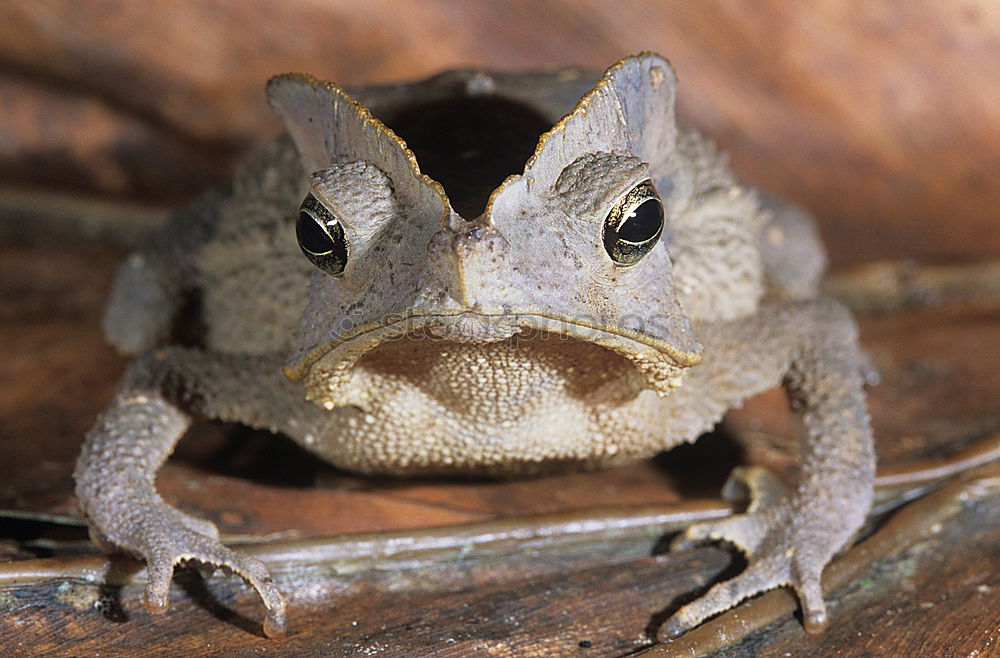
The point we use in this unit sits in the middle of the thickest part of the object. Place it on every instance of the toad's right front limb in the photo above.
(116, 471)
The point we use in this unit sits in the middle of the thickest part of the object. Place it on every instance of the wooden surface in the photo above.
(939, 393)
(882, 120)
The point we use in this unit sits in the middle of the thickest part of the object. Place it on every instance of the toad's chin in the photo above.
(484, 350)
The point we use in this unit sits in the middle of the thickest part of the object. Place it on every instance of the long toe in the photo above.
(759, 576)
(745, 531)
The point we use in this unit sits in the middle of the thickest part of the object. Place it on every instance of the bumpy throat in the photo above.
(427, 405)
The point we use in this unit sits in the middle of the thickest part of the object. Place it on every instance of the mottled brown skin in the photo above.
(508, 343)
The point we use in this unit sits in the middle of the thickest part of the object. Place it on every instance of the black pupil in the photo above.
(643, 223)
(311, 236)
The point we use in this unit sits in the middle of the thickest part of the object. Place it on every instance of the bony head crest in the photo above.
(630, 110)
(329, 127)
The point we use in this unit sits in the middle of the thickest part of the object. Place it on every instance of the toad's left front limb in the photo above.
(788, 536)
(159, 396)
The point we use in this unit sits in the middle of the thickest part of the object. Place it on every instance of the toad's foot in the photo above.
(165, 537)
(782, 546)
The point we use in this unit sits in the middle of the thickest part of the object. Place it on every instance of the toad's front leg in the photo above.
(790, 536)
(116, 470)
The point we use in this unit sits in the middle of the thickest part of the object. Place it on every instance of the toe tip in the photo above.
(671, 629)
(683, 541)
(275, 623)
(156, 604)
(815, 621)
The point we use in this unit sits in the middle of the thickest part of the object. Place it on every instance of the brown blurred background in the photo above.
(881, 117)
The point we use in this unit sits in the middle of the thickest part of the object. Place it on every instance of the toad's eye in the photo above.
(634, 224)
(321, 237)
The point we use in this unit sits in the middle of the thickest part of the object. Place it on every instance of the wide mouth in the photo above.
(659, 362)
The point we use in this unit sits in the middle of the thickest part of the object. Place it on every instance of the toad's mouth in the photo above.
(660, 362)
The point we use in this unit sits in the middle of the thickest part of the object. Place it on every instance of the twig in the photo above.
(931, 470)
(387, 550)
(883, 286)
(36, 211)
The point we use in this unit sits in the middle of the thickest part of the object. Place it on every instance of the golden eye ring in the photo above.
(321, 237)
(634, 225)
